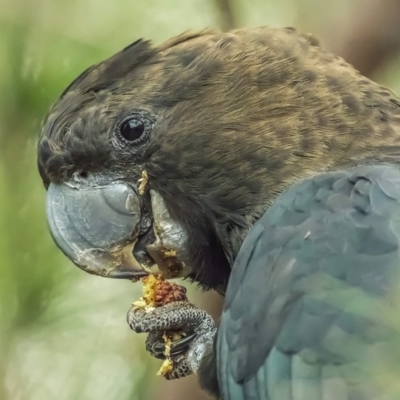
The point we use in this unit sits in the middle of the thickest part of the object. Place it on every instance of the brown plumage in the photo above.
(236, 117)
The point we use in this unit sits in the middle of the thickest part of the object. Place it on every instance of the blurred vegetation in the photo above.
(63, 333)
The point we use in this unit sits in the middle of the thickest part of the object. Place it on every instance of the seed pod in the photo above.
(167, 292)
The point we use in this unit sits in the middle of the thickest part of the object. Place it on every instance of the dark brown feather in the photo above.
(239, 116)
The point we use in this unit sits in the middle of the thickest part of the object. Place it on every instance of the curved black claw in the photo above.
(181, 346)
(155, 345)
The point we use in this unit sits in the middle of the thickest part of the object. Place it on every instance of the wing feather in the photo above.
(310, 289)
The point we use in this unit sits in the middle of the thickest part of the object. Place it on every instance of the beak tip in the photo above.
(130, 275)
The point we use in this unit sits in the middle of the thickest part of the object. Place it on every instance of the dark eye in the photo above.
(134, 129)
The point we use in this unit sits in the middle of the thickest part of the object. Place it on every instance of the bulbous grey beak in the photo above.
(96, 227)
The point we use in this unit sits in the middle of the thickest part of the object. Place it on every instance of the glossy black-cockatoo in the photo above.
(253, 163)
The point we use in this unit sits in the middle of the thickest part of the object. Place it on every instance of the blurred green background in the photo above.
(63, 333)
